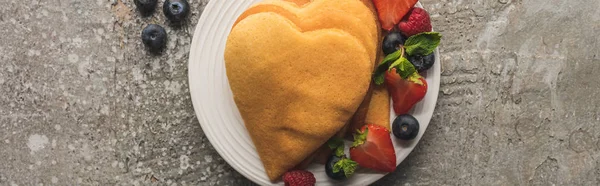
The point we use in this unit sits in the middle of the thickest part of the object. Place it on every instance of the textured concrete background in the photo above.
(81, 102)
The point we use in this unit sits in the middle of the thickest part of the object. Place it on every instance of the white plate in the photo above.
(218, 114)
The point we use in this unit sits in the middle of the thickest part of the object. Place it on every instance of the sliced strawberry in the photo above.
(373, 149)
(391, 11)
(405, 92)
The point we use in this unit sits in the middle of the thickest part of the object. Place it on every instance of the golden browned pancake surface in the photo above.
(297, 80)
(379, 108)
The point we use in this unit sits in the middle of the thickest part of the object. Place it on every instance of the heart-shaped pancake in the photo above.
(298, 76)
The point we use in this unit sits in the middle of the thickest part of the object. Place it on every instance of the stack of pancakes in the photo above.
(300, 72)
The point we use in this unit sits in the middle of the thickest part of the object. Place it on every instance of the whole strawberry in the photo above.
(299, 178)
(416, 21)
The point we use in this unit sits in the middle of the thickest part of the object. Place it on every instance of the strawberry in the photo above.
(405, 92)
(373, 149)
(299, 178)
(416, 21)
(391, 11)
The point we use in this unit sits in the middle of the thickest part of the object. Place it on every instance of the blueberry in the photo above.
(146, 7)
(176, 10)
(422, 63)
(329, 168)
(154, 37)
(405, 127)
(392, 42)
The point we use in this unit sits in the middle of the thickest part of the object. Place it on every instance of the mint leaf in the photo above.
(392, 57)
(403, 67)
(346, 165)
(379, 75)
(350, 167)
(339, 152)
(334, 143)
(337, 145)
(422, 44)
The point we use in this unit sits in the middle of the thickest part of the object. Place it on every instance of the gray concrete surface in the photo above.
(82, 103)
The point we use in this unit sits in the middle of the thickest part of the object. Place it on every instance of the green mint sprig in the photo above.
(346, 165)
(418, 45)
(422, 44)
(337, 145)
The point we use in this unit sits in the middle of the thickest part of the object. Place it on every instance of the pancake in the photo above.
(379, 108)
(299, 71)
(318, 14)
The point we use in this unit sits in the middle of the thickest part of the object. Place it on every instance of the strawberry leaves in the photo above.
(360, 137)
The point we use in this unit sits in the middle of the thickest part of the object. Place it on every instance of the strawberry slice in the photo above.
(373, 149)
(406, 93)
(391, 11)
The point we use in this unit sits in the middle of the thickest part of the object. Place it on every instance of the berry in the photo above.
(422, 63)
(392, 42)
(405, 127)
(405, 92)
(373, 149)
(154, 37)
(329, 168)
(299, 178)
(176, 10)
(146, 7)
(391, 11)
(416, 21)
(340, 167)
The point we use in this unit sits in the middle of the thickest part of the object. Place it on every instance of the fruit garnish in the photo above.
(392, 11)
(373, 149)
(340, 168)
(384, 66)
(422, 63)
(146, 7)
(299, 178)
(423, 43)
(337, 145)
(403, 81)
(154, 37)
(407, 91)
(405, 127)
(416, 21)
(393, 42)
(176, 10)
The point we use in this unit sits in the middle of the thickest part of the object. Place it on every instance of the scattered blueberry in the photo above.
(422, 63)
(405, 127)
(392, 42)
(154, 37)
(176, 10)
(333, 159)
(146, 7)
